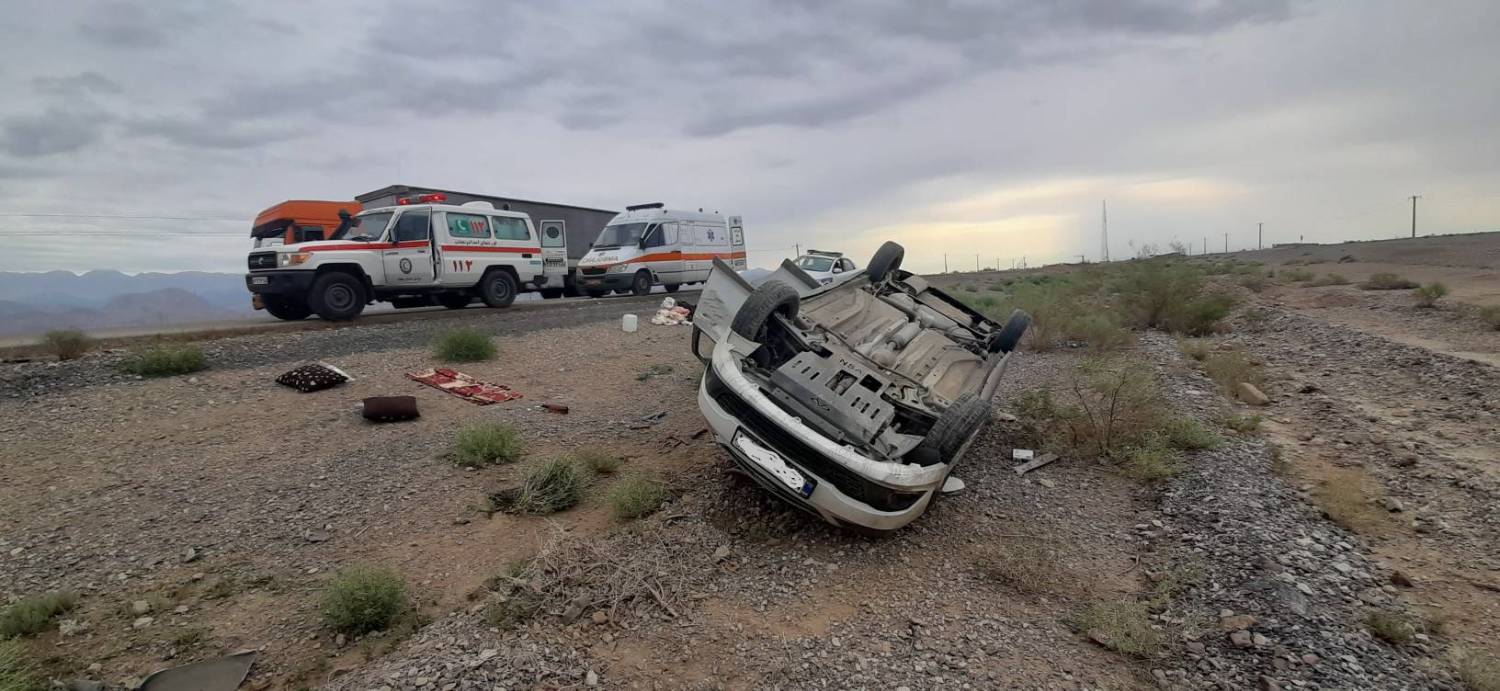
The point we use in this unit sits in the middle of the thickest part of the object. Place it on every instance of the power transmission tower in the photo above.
(1260, 235)
(1414, 199)
(1104, 225)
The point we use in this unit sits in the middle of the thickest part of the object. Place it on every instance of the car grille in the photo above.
(800, 454)
(262, 260)
(594, 271)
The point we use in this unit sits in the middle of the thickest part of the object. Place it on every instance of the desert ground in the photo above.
(1339, 534)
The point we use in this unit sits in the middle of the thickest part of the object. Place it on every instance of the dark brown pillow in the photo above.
(390, 408)
(308, 378)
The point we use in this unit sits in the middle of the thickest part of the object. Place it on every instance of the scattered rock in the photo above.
(140, 607)
(1048, 483)
(721, 553)
(600, 617)
(591, 678)
(1242, 639)
(1399, 577)
(1237, 622)
(142, 622)
(1252, 395)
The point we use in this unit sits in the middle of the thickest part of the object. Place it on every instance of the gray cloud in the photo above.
(123, 25)
(54, 132)
(210, 134)
(81, 84)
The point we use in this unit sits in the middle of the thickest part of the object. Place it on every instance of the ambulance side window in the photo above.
(413, 225)
(467, 226)
(656, 235)
(507, 228)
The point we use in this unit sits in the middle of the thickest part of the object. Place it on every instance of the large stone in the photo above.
(1252, 395)
(1237, 622)
(1242, 639)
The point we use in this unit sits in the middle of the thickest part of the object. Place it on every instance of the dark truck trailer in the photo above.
(580, 225)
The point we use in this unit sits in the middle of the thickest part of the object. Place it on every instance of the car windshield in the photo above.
(370, 225)
(620, 235)
(815, 263)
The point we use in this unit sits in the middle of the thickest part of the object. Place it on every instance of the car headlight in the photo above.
(619, 268)
(292, 258)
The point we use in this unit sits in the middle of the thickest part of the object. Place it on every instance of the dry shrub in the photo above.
(486, 444)
(32, 615)
(638, 496)
(1477, 669)
(361, 599)
(1230, 367)
(1244, 424)
(1387, 281)
(596, 461)
(1428, 295)
(1029, 566)
(18, 672)
(1151, 462)
(1190, 435)
(549, 487)
(1390, 626)
(1123, 626)
(1108, 406)
(1328, 280)
(1490, 316)
(1195, 348)
(1296, 275)
(1345, 500)
(67, 344)
(1254, 282)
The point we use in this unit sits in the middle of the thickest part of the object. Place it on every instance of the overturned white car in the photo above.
(854, 400)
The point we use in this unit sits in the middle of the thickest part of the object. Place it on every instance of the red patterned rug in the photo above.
(465, 386)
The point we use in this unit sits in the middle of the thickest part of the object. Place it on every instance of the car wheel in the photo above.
(954, 428)
(286, 308)
(672, 287)
(886, 259)
(455, 301)
(337, 296)
(771, 297)
(1010, 336)
(641, 284)
(497, 288)
(597, 293)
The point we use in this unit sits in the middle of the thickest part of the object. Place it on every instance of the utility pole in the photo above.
(1226, 243)
(1082, 259)
(976, 262)
(1414, 199)
(799, 248)
(945, 262)
(1205, 244)
(1259, 235)
(1104, 225)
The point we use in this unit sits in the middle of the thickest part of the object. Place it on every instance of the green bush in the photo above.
(1152, 461)
(67, 344)
(1230, 367)
(597, 461)
(165, 361)
(637, 496)
(18, 672)
(1490, 316)
(361, 599)
(1428, 295)
(464, 345)
(1123, 626)
(1170, 297)
(487, 443)
(1201, 315)
(549, 487)
(1392, 627)
(1190, 435)
(1243, 424)
(1254, 282)
(1100, 330)
(1387, 281)
(1296, 275)
(32, 615)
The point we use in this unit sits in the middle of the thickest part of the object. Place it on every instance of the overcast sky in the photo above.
(973, 128)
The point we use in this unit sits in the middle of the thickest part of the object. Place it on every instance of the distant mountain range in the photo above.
(32, 303)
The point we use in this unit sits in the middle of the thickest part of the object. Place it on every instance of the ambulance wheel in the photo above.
(641, 285)
(497, 288)
(337, 296)
(455, 301)
(673, 287)
(596, 293)
(286, 308)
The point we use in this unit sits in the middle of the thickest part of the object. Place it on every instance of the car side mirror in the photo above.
(641, 243)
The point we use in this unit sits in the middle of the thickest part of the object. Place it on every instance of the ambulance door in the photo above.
(554, 251)
(663, 252)
(408, 256)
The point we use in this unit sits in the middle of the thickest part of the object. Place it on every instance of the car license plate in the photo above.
(772, 462)
(260, 280)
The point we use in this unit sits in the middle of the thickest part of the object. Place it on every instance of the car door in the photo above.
(408, 256)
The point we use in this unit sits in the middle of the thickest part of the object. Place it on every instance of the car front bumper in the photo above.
(279, 282)
(609, 281)
(849, 490)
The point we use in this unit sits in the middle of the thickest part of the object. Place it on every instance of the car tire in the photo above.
(596, 293)
(552, 293)
(455, 301)
(887, 259)
(771, 297)
(640, 284)
(1010, 335)
(955, 427)
(497, 288)
(337, 296)
(672, 287)
(286, 308)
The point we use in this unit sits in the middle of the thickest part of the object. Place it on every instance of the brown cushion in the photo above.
(391, 408)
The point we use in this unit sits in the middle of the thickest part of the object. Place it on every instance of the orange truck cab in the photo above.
(301, 220)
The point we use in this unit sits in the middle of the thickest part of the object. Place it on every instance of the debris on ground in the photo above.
(649, 421)
(558, 408)
(390, 408)
(1022, 454)
(464, 386)
(314, 377)
(219, 674)
(1038, 462)
(672, 312)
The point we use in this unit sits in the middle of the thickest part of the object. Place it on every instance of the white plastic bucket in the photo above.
(628, 323)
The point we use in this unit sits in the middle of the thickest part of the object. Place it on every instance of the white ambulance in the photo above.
(650, 244)
(417, 253)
